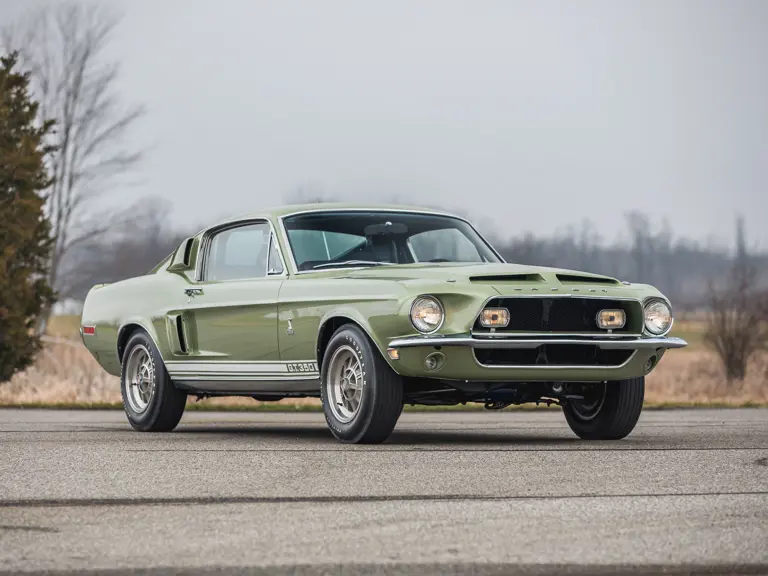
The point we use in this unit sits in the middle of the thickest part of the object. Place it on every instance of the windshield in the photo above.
(323, 240)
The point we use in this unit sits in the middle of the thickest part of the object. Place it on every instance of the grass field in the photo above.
(692, 331)
(65, 373)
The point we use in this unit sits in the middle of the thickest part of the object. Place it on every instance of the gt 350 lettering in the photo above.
(302, 367)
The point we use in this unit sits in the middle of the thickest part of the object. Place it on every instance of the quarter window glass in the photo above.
(239, 253)
(275, 265)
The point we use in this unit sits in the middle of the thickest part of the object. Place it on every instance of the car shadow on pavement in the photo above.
(321, 434)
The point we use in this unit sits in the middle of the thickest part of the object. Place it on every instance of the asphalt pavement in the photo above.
(450, 493)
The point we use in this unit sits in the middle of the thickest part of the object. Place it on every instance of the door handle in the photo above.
(193, 292)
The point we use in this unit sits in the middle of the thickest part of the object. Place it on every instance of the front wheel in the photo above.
(151, 401)
(362, 396)
(608, 410)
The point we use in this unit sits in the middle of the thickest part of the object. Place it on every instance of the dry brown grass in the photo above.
(66, 373)
(696, 376)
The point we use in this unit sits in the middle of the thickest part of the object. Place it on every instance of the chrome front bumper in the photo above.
(623, 343)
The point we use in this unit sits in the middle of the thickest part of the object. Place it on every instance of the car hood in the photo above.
(492, 274)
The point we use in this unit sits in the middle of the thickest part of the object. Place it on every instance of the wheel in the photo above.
(362, 396)
(609, 410)
(151, 401)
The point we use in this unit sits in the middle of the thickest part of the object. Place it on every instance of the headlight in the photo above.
(658, 317)
(426, 314)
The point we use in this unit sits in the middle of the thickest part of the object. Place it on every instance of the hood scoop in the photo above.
(576, 279)
(508, 278)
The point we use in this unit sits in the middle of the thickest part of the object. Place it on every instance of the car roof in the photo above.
(281, 211)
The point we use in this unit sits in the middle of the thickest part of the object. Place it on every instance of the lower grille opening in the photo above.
(552, 355)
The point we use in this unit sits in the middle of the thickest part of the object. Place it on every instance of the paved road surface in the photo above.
(449, 493)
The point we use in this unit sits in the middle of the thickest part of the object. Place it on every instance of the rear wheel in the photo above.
(609, 410)
(362, 396)
(151, 401)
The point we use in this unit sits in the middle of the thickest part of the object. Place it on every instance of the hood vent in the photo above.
(508, 278)
(575, 279)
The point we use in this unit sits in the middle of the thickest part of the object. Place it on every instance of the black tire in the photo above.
(381, 391)
(615, 418)
(166, 404)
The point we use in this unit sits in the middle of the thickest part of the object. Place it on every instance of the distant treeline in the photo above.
(682, 269)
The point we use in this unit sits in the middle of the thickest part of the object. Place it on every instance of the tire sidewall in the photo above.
(144, 419)
(617, 416)
(354, 429)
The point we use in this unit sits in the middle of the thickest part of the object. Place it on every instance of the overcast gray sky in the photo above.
(530, 114)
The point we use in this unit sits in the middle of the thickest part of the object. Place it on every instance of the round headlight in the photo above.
(426, 314)
(658, 317)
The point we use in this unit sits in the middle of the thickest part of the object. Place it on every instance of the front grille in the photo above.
(561, 314)
(552, 355)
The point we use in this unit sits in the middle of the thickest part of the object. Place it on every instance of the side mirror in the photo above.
(182, 257)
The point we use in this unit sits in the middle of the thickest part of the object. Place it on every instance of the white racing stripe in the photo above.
(257, 370)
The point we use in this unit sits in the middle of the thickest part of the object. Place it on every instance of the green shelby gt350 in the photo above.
(370, 308)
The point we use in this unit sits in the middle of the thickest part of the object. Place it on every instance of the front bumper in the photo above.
(461, 362)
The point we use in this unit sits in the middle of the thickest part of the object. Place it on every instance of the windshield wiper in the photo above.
(351, 263)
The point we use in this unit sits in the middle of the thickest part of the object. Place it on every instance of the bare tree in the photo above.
(64, 46)
(639, 229)
(132, 251)
(737, 324)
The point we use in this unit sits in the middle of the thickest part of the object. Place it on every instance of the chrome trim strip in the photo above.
(260, 370)
(508, 334)
(224, 377)
(550, 367)
(606, 344)
(287, 242)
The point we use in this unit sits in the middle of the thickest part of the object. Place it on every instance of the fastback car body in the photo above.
(369, 308)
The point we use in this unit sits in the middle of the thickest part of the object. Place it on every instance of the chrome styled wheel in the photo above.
(140, 378)
(362, 396)
(344, 383)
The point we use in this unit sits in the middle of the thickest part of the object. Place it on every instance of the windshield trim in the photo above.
(289, 249)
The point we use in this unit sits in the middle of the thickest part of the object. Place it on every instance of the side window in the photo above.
(238, 253)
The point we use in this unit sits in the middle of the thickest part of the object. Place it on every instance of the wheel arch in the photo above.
(129, 329)
(330, 324)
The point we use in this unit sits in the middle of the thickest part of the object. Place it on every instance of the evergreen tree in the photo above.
(25, 239)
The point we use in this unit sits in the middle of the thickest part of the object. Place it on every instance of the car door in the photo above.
(231, 310)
